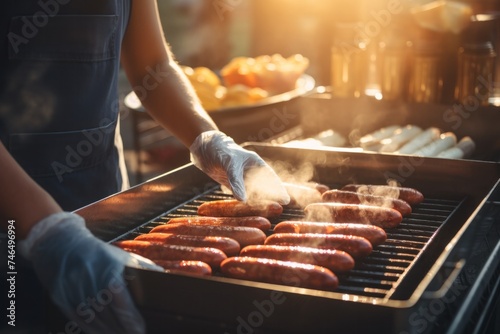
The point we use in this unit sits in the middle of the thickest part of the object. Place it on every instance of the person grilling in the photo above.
(61, 148)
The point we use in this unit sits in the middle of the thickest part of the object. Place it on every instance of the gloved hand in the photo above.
(244, 172)
(84, 275)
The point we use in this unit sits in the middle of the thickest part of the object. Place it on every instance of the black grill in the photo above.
(432, 251)
(378, 274)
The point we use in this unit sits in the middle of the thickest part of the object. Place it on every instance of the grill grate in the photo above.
(377, 275)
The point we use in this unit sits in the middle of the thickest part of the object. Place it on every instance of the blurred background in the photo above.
(211, 32)
(387, 34)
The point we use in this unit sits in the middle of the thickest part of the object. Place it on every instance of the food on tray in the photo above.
(419, 141)
(375, 137)
(353, 213)
(235, 208)
(279, 272)
(408, 139)
(444, 142)
(274, 74)
(374, 234)
(335, 260)
(463, 148)
(229, 246)
(242, 234)
(185, 267)
(207, 85)
(261, 223)
(409, 195)
(412, 140)
(246, 80)
(400, 137)
(324, 138)
(355, 246)
(351, 197)
(238, 95)
(154, 251)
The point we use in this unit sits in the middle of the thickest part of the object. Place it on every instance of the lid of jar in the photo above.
(480, 30)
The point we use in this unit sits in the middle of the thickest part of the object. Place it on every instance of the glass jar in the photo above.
(393, 71)
(476, 65)
(425, 74)
(348, 63)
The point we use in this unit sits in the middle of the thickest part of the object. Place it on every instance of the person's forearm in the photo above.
(174, 104)
(160, 84)
(21, 198)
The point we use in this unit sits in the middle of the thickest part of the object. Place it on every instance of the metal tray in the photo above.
(353, 118)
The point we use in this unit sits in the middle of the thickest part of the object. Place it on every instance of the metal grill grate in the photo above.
(374, 276)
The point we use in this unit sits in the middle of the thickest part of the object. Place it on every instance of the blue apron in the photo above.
(59, 65)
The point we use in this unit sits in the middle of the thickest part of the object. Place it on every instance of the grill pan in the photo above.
(380, 293)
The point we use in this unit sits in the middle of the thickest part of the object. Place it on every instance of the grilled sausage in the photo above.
(356, 246)
(261, 223)
(301, 195)
(243, 235)
(351, 197)
(279, 272)
(153, 251)
(353, 213)
(409, 195)
(229, 246)
(374, 234)
(185, 267)
(335, 260)
(235, 208)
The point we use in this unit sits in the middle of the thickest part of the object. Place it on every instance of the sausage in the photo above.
(185, 267)
(444, 142)
(424, 138)
(333, 259)
(301, 195)
(351, 197)
(353, 213)
(261, 223)
(153, 251)
(375, 137)
(229, 246)
(451, 153)
(355, 246)
(243, 235)
(467, 145)
(409, 195)
(235, 208)
(279, 272)
(399, 138)
(374, 234)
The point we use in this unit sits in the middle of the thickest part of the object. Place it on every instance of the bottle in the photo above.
(348, 63)
(425, 75)
(393, 71)
(476, 66)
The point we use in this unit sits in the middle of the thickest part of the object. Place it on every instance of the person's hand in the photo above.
(244, 172)
(84, 275)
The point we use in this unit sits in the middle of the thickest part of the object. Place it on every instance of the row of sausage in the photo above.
(235, 239)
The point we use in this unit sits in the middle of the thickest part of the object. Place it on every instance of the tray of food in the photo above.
(246, 82)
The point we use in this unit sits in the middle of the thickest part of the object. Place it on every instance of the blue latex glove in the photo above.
(244, 172)
(84, 275)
